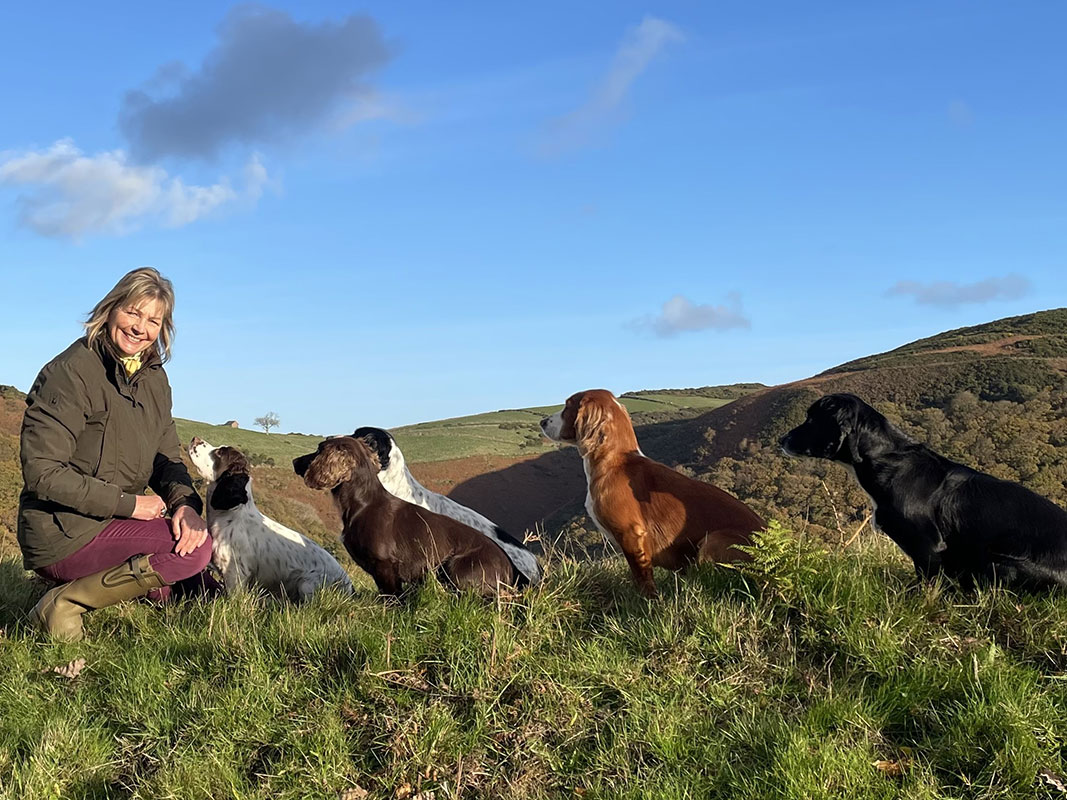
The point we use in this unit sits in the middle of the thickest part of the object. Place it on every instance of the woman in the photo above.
(97, 431)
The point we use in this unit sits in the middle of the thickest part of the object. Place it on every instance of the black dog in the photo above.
(947, 517)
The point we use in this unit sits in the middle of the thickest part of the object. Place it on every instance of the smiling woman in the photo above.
(97, 432)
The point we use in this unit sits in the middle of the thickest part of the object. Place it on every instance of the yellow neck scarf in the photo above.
(131, 364)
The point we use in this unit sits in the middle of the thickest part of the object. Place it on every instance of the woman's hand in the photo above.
(149, 506)
(189, 530)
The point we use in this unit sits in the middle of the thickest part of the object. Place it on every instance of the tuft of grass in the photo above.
(807, 674)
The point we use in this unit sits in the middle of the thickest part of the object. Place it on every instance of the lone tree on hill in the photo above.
(268, 421)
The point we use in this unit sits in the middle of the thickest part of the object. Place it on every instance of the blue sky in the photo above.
(384, 213)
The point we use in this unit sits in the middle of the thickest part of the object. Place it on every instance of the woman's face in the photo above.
(134, 328)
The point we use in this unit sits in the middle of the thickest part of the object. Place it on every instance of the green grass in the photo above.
(515, 432)
(1041, 324)
(789, 681)
(509, 433)
(282, 447)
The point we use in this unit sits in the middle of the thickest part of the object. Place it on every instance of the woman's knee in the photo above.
(176, 568)
(201, 556)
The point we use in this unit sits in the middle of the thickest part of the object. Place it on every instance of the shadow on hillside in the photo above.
(527, 494)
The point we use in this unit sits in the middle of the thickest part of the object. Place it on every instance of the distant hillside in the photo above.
(509, 433)
(991, 396)
(261, 448)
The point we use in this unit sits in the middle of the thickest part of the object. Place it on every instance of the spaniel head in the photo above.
(337, 460)
(839, 427)
(383, 445)
(589, 419)
(213, 462)
(227, 467)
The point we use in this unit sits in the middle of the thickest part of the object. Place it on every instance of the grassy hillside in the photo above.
(510, 433)
(265, 448)
(823, 670)
(516, 432)
(813, 675)
(992, 396)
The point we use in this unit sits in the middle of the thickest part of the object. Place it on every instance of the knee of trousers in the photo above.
(196, 562)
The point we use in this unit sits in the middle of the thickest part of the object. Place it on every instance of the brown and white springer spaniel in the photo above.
(396, 542)
(659, 517)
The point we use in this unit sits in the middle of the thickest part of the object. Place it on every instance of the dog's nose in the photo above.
(544, 423)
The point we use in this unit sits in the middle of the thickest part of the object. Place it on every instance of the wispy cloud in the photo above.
(950, 294)
(681, 315)
(267, 79)
(641, 45)
(68, 194)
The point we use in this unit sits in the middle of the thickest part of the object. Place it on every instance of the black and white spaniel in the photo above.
(398, 480)
(251, 549)
(946, 517)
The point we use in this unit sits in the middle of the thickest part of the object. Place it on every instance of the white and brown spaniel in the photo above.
(659, 517)
(252, 550)
(397, 478)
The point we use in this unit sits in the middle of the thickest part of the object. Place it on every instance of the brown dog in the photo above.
(396, 542)
(656, 515)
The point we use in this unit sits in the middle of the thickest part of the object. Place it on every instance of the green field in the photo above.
(280, 447)
(815, 675)
(509, 433)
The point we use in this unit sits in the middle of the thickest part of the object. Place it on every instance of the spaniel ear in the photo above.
(373, 458)
(231, 490)
(379, 441)
(230, 459)
(590, 425)
(332, 465)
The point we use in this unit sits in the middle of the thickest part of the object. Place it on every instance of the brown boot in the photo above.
(59, 612)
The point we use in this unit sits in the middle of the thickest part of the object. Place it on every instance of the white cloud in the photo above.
(69, 194)
(949, 294)
(636, 52)
(681, 315)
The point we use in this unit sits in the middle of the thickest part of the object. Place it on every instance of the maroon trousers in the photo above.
(125, 538)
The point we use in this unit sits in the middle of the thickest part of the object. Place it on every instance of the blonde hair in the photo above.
(143, 283)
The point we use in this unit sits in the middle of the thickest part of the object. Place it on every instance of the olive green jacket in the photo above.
(92, 440)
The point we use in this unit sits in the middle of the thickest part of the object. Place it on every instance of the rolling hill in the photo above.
(990, 395)
(442, 453)
(510, 433)
(817, 671)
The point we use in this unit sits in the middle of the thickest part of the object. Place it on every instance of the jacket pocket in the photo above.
(74, 525)
(88, 456)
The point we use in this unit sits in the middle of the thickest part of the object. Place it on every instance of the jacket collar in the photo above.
(116, 373)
